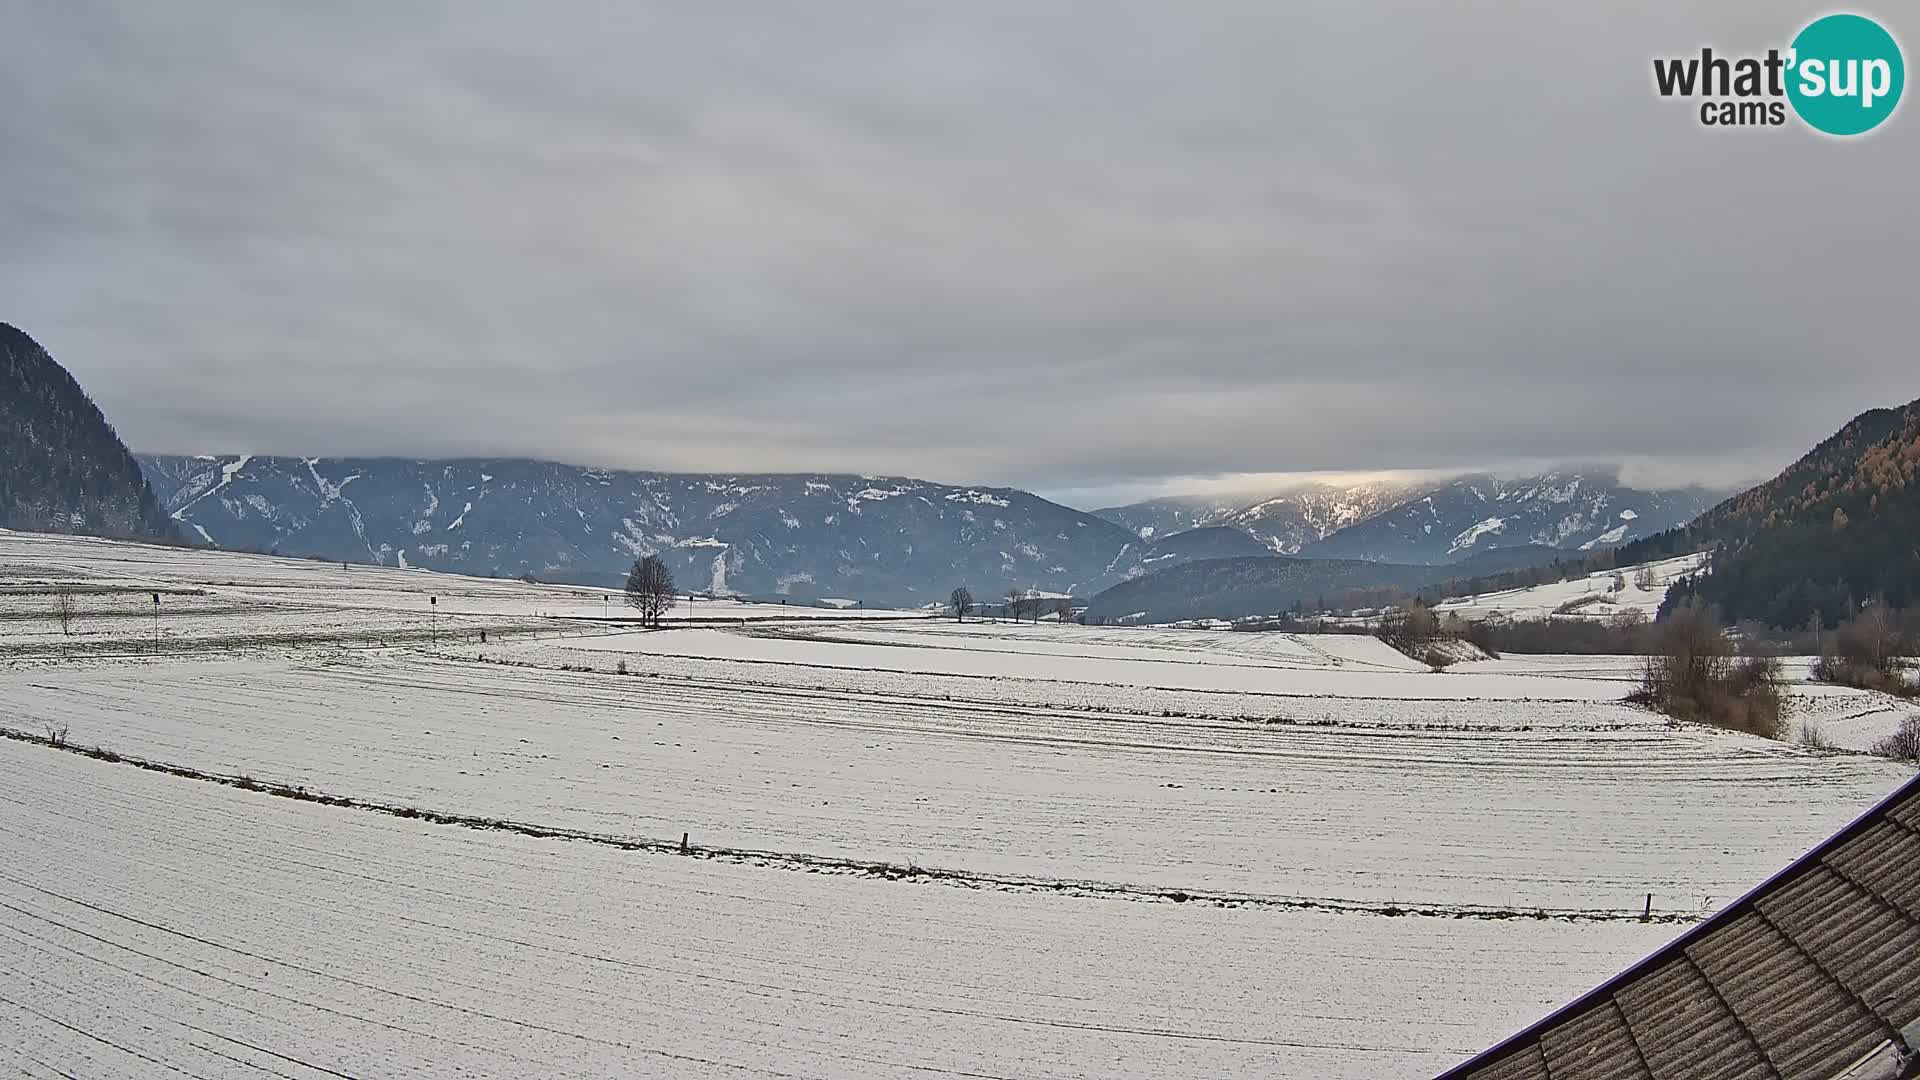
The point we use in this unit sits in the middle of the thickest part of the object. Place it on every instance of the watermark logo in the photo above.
(1850, 74)
(1841, 75)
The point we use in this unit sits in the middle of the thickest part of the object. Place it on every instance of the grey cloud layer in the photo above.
(1063, 246)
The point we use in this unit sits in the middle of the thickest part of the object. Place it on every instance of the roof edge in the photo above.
(1593, 998)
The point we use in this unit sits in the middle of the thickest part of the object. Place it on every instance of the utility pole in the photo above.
(156, 623)
(433, 624)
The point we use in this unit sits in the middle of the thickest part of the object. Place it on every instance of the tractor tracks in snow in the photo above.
(806, 862)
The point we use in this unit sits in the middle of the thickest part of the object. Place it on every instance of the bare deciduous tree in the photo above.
(650, 589)
(1409, 629)
(1027, 603)
(1903, 744)
(961, 602)
(1696, 675)
(1869, 651)
(63, 607)
(1879, 633)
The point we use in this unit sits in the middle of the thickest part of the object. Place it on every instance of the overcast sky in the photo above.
(1082, 248)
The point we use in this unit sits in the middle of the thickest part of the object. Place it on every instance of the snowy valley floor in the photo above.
(913, 848)
(151, 919)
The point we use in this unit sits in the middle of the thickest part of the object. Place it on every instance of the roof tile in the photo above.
(1798, 979)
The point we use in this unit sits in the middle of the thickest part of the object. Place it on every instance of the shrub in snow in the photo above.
(1904, 743)
(1693, 675)
(1814, 737)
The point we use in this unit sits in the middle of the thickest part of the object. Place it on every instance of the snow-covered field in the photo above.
(1848, 718)
(1294, 665)
(1328, 813)
(156, 926)
(219, 600)
(917, 848)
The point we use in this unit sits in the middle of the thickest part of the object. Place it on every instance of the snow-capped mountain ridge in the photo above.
(1435, 521)
(1287, 523)
(1284, 521)
(886, 539)
(1579, 510)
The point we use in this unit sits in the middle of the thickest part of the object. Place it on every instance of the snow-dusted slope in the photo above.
(874, 538)
(1289, 522)
(1591, 596)
(1156, 518)
(1283, 521)
(1432, 522)
(1192, 545)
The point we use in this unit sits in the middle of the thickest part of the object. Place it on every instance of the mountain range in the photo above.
(1831, 533)
(880, 539)
(1438, 522)
(1285, 521)
(1575, 510)
(889, 540)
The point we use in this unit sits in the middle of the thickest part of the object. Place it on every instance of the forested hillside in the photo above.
(1837, 528)
(62, 468)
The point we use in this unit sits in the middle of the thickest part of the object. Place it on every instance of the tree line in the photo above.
(1020, 604)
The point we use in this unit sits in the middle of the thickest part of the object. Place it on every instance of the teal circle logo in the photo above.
(1845, 74)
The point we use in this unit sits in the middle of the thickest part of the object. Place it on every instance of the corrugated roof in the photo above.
(1804, 977)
